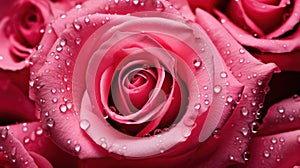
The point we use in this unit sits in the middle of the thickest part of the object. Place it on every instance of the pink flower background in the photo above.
(149, 83)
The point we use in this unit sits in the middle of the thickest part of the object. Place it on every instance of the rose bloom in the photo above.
(21, 31)
(137, 84)
(269, 29)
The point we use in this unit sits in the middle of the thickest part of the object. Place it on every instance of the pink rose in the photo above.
(136, 81)
(21, 31)
(269, 29)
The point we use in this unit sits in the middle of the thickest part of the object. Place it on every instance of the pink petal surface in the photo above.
(282, 45)
(278, 141)
(234, 135)
(36, 143)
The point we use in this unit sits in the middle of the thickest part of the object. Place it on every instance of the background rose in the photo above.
(21, 31)
(67, 57)
(270, 29)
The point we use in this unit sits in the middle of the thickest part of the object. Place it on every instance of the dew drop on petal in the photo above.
(26, 140)
(39, 131)
(50, 122)
(84, 124)
(242, 51)
(280, 109)
(223, 75)
(229, 99)
(273, 140)
(246, 155)
(217, 89)
(4, 133)
(77, 148)
(69, 141)
(298, 138)
(254, 127)
(63, 108)
(59, 48)
(159, 5)
(197, 63)
(244, 131)
(63, 16)
(77, 40)
(135, 2)
(76, 25)
(259, 82)
(63, 42)
(267, 154)
(197, 106)
(231, 157)
(244, 111)
(53, 90)
(86, 19)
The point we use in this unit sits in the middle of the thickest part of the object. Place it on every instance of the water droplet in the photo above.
(84, 124)
(298, 138)
(246, 155)
(59, 48)
(39, 131)
(267, 154)
(206, 102)
(197, 63)
(159, 5)
(63, 16)
(229, 99)
(39, 47)
(4, 133)
(63, 42)
(242, 60)
(259, 82)
(77, 40)
(69, 141)
(63, 108)
(54, 100)
(217, 89)
(223, 75)
(223, 20)
(86, 19)
(50, 122)
(242, 51)
(280, 109)
(186, 133)
(284, 45)
(78, 6)
(25, 129)
(274, 140)
(69, 105)
(53, 90)
(281, 139)
(254, 127)
(291, 118)
(26, 140)
(244, 131)
(116, 1)
(76, 25)
(231, 157)
(158, 132)
(135, 2)
(197, 106)
(77, 148)
(244, 111)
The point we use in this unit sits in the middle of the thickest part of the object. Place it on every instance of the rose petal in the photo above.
(254, 75)
(35, 140)
(283, 45)
(278, 140)
(17, 154)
